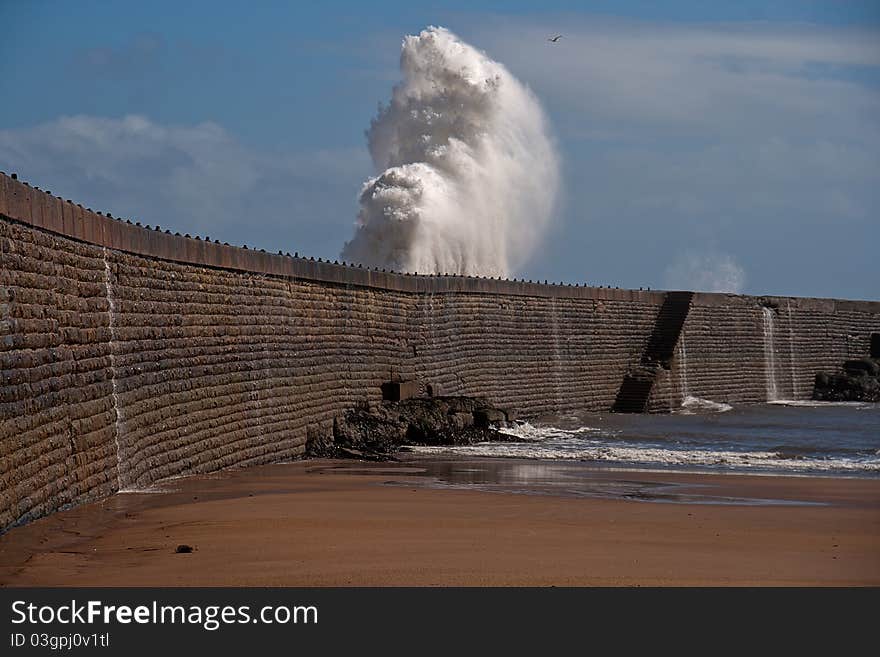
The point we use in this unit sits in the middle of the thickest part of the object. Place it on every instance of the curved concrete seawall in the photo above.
(130, 354)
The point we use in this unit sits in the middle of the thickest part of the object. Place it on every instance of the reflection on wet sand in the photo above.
(554, 478)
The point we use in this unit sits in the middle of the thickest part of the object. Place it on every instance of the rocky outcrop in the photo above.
(377, 431)
(859, 381)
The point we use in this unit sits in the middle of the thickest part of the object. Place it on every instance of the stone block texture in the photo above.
(130, 355)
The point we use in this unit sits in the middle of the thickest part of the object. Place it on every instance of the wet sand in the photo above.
(462, 522)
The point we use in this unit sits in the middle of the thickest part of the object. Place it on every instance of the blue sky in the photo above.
(702, 144)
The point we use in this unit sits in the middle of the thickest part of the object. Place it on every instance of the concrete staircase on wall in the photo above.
(635, 390)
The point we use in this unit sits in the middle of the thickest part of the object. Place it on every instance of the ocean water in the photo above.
(805, 438)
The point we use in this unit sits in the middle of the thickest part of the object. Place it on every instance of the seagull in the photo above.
(555, 38)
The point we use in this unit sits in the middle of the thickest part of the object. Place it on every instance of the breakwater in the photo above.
(130, 354)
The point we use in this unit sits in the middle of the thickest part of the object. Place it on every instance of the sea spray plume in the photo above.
(469, 173)
(709, 271)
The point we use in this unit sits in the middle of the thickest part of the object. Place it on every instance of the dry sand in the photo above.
(307, 524)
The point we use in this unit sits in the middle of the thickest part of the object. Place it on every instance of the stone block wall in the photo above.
(740, 349)
(57, 417)
(130, 354)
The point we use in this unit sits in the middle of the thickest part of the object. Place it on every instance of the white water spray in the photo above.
(769, 355)
(682, 368)
(794, 390)
(691, 405)
(111, 309)
(469, 174)
(557, 357)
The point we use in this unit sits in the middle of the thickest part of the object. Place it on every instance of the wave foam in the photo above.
(809, 403)
(530, 433)
(666, 457)
(692, 404)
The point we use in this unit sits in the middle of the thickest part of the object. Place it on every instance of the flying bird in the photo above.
(555, 38)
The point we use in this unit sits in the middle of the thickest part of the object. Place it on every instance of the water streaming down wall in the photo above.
(682, 367)
(557, 362)
(769, 354)
(792, 365)
(117, 410)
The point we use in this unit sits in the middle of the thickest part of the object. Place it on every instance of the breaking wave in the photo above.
(469, 172)
(739, 441)
(756, 460)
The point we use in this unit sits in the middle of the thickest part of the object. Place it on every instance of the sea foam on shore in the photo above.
(830, 439)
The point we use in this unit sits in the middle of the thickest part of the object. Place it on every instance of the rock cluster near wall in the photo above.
(858, 380)
(130, 354)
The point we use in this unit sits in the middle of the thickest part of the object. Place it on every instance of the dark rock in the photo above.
(858, 382)
(377, 432)
(461, 420)
(183, 549)
(399, 390)
(319, 444)
(862, 366)
(487, 417)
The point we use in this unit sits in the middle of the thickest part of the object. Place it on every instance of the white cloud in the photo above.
(759, 139)
(698, 79)
(192, 178)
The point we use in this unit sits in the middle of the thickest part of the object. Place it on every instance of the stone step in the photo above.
(635, 391)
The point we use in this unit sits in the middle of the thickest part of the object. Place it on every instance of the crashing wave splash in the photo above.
(469, 173)
(526, 431)
(692, 404)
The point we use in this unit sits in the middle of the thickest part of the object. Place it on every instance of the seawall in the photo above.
(130, 354)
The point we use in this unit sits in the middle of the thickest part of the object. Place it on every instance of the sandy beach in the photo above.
(334, 523)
